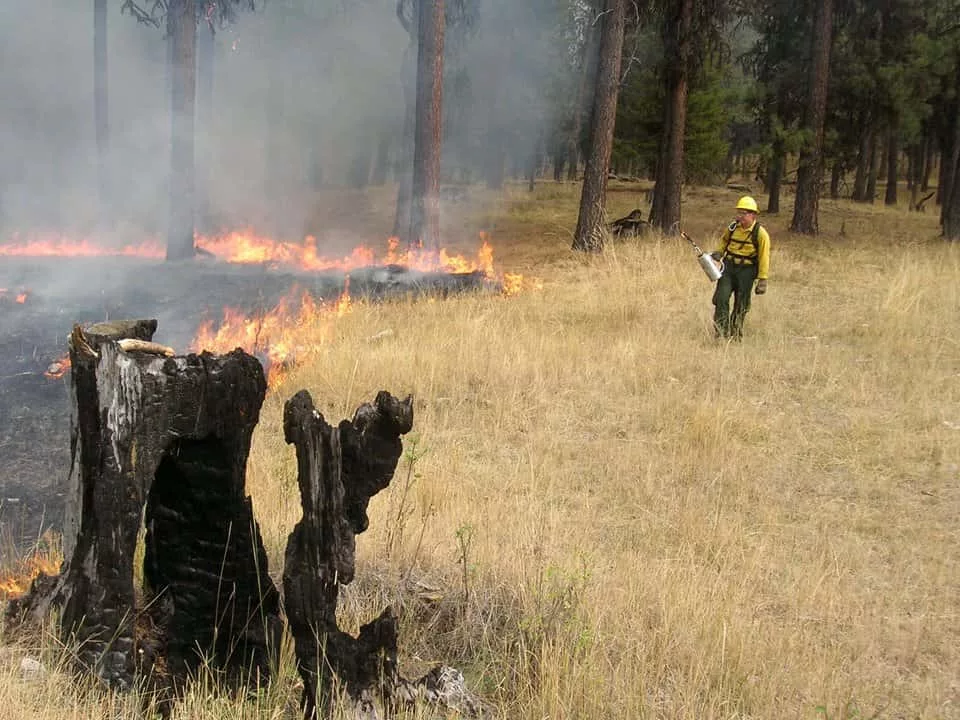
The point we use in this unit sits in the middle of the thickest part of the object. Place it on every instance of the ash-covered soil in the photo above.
(62, 291)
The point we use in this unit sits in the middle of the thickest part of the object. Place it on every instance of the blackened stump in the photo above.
(339, 470)
(165, 440)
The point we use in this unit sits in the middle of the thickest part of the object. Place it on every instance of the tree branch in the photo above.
(147, 17)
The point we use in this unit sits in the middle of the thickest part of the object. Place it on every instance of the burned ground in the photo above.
(62, 291)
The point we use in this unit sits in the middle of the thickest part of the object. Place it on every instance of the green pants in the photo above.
(738, 281)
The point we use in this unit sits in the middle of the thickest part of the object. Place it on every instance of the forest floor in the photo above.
(603, 511)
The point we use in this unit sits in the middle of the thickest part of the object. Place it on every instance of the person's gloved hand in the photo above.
(717, 255)
(761, 287)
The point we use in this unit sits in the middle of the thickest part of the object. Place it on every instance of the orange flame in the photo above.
(274, 334)
(246, 247)
(20, 297)
(16, 581)
(58, 368)
(59, 246)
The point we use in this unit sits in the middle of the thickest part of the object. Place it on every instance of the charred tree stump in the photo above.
(339, 470)
(162, 441)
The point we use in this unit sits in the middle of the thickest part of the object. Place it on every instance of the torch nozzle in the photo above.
(690, 240)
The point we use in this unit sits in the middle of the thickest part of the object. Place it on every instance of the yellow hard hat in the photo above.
(748, 203)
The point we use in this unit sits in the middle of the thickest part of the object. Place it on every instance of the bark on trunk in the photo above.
(928, 161)
(874, 168)
(912, 153)
(806, 208)
(425, 200)
(559, 162)
(951, 204)
(775, 178)
(590, 222)
(863, 166)
(665, 211)
(182, 32)
(100, 104)
(893, 155)
(165, 439)
(915, 175)
(945, 172)
(836, 175)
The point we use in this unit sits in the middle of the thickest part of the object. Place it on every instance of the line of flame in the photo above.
(16, 581)
(273, 335)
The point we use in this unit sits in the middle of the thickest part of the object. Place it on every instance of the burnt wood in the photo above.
(338, 471)
(161, 442)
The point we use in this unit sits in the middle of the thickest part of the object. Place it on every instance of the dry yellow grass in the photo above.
(610, 514)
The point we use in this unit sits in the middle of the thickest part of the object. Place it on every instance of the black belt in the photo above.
(737, 260)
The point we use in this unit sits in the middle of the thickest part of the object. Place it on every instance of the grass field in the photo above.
(605, 513)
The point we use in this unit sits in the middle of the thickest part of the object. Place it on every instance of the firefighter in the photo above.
(745, 252)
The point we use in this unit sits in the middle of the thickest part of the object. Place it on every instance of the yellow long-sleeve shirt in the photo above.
(736, 244)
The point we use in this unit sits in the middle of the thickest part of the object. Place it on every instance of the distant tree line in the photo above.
(832, 97)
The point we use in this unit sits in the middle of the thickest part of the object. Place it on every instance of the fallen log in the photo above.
(160, 442)
(629, 226)
(338, 470)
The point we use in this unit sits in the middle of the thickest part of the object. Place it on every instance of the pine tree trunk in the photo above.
(875, 152)
(884, 146)
(204, 171)
(425, 199)
(912, 152)
(559, 161)
(928, 160)
(665, 212)
(946, 142)
(914, 171)
(806, 208)
(182, 32)
(863, 166)
(589, 232)
(951, 201)
(893, 154)
(775, 178)
(836, 175)
(100, 103)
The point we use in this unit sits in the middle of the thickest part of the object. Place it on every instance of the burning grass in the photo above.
(608, 514)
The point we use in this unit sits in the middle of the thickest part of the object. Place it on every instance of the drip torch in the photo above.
(713, 268)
